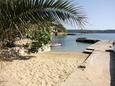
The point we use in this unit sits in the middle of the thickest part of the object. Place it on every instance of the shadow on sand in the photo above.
(10, 55)
(17, 57)
(112, 68)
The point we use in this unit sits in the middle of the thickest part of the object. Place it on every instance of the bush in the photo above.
(39, 37)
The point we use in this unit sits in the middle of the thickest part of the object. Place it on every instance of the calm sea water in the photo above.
(69, 42)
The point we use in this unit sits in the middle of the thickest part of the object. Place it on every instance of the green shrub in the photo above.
(39, 37)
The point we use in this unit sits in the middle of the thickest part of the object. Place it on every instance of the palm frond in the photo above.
(15, 14)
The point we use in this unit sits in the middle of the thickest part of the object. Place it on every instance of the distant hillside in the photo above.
(91, 31)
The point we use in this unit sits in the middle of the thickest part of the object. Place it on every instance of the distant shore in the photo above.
(91, 31)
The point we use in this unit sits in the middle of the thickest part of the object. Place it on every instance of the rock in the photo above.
(21, 42)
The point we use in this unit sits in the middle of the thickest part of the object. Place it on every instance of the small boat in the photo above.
(71, 34)
(55, 44)
(85, 40)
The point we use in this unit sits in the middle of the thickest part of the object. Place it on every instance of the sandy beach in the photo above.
(57, 43)
(62, 68)
(46, 69)
(99, 71)
(96, 73)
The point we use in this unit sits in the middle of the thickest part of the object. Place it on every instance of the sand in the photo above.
(96, 73)
(46, 69)
(62, 69)
(100, 68)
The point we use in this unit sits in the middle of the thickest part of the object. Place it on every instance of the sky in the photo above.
(100, 13)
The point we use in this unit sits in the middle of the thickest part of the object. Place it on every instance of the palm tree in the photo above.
(17, 15)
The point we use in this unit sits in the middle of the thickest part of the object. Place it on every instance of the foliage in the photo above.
(41, 37)
(60, 28)
(16, 15)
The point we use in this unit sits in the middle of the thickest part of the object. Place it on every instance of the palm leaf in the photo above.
(16, 14)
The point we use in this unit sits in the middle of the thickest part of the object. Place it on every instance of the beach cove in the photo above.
(61, 69)
(57, 43)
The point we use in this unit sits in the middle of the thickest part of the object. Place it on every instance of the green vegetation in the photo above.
(16, 17)
(40, 37)
(60, 28)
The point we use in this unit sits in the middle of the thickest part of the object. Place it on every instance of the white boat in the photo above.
(55, 44)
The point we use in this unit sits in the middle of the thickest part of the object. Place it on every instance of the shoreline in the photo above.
(59, 68)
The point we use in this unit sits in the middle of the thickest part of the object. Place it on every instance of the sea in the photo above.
(68, 43)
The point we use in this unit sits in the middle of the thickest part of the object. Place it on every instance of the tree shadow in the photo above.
(17, 58)
(112, 68)
(10, 56)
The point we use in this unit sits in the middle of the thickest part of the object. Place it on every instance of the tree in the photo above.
(17, 15)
